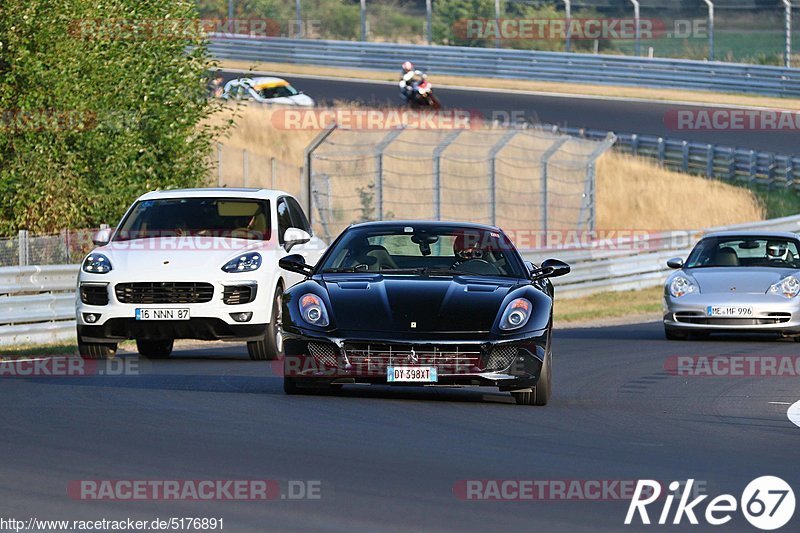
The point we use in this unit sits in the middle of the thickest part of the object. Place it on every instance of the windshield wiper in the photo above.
(422, 271)
(343, 270)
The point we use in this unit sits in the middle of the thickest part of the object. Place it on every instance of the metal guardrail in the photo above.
(37, 304)
(709, 160)
(516, 64)
(640, 266)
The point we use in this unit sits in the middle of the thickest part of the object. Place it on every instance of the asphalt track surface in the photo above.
(388, 458)
(625, 116)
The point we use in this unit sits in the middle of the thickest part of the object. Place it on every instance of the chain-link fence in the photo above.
(513, 178)
(237, 167)
(65, 247)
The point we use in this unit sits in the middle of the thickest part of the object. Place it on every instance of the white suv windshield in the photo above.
(203, 217)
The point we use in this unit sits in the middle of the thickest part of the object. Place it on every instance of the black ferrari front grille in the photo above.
(238, 294)
(375, 358)
(94, 294)
(164, 292)
(501, 357)
(324, 353)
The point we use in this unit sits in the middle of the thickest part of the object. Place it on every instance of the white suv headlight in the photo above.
(681, 285)
(243, 263)
(96, 264)
(788, 287)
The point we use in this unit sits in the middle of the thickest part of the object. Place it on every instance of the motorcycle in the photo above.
(421, 96)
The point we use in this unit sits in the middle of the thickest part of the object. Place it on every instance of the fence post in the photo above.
(298, 21)
(568, 13)
(22, 247)
(661, 150)
(428, 15)
(219, 164)
(245, 167)
(710, 5)
(507, 136)
(788, 6)
(379, 149)
(308, 153)
(273, 172)
(363, 20)
(558, 143)
(437, 171)
(638, 45)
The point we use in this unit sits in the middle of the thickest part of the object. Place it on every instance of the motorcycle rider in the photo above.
(410, 80)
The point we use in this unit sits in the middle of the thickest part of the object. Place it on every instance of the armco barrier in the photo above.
(37, 303)
(516, 64)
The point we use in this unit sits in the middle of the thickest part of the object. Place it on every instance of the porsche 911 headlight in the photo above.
(96, 264)
(313, 310)
(788, 287)
(516, 314)
(243, 263)
(681, 285)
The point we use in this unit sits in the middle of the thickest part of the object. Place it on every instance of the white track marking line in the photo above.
(780, 403)
(251, 73)
(794, 413)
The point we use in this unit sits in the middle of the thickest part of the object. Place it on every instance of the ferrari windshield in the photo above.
(745, 252)
(424, 249)
(201, 217)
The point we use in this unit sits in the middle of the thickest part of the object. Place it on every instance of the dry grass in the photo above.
(631, 192)
(530, 85)
(606, 305)
(636, 193)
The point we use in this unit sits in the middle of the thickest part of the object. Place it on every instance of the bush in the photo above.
(93, 116)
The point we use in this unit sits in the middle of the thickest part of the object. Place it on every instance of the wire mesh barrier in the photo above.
(66, 247)
(237, 167)
(513, 178)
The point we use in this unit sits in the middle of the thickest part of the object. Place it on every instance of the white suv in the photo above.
(193, 264)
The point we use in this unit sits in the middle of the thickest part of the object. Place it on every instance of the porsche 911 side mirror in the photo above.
(295, 263)
(675, 262)
(294, 236)
(551, 268)
(102, 237)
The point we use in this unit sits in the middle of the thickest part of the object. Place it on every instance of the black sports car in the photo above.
(434, 303)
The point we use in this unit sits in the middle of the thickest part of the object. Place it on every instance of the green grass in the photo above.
(778, 202)
(607, 305)
(39, 350)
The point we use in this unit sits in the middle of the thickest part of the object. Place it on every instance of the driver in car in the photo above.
(778, 251)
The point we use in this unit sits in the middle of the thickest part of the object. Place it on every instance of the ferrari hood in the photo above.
(416, 304)
(754, 280)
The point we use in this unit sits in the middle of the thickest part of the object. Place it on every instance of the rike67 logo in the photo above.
(767, 503)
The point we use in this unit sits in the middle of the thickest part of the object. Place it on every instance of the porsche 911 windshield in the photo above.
(745, 252)
(424, 250)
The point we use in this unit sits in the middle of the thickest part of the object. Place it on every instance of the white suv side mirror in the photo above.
(102, 237)
(295, 236)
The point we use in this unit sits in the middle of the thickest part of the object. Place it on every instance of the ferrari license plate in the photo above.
(405, 374)
(726, 310)
(162, 314)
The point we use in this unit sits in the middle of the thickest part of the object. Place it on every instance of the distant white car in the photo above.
(193, 264)
(266, 90)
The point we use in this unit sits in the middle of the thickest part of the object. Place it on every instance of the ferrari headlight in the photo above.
(516, 314)
(788, 287)
(96, 264)
(243, 263)
(680, 286)
(313, 310)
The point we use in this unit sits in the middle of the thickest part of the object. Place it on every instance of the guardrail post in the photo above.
(661, 150)
(308, 154)
(635, 144)
(22, 247)
(710, 161)
(710, 5)
(437, 170)
(379, 149)
(753, 165)
(789, 171)
(510, 134)
(685, 152)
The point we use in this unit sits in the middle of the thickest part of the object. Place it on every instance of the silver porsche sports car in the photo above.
(735, 282)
